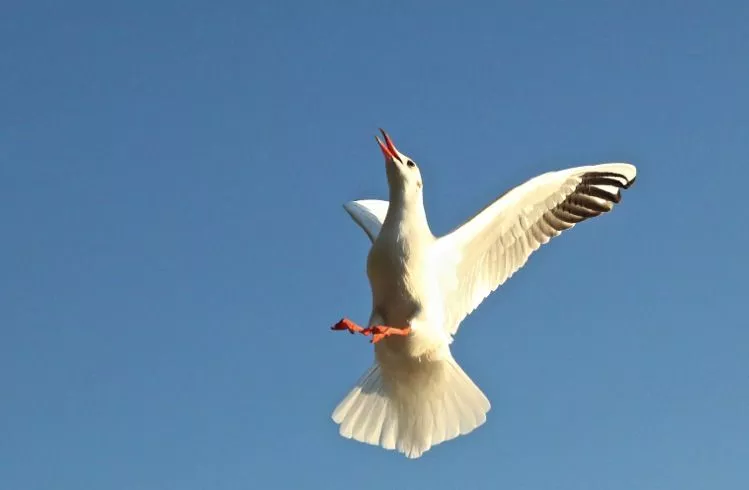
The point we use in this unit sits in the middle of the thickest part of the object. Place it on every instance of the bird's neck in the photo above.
(406, 212)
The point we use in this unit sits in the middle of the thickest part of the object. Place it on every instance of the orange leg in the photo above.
(379, 332)
(346, 324)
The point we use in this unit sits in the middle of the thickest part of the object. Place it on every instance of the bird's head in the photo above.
(402, 172)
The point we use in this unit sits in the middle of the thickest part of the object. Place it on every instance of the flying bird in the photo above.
(415, 395)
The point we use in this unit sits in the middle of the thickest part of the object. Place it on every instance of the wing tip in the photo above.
(629, 172)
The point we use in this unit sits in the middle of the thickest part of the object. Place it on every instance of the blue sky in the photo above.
(174, 248)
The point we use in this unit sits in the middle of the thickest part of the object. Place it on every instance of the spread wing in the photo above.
(490, 247)
(369, 214)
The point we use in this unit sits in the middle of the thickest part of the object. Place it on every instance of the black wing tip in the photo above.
(614, 179)
(627, 181)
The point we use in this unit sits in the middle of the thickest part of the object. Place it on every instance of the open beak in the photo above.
(388, 148)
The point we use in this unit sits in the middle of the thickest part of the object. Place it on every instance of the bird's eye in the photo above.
(410, 164)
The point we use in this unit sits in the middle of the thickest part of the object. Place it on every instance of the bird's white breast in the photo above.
(396, 271)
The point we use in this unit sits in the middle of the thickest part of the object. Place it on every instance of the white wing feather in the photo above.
(369, 214)
(486, 250)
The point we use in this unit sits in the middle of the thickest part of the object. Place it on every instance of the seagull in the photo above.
(415, 395)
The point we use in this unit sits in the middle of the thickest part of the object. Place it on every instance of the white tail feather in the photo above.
(412, 408)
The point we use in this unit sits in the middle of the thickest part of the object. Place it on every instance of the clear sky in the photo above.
(174, 248)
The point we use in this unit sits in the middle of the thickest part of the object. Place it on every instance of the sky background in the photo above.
(174, 248)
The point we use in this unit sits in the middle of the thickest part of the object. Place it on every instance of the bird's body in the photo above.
(415, 395)
(404, 284)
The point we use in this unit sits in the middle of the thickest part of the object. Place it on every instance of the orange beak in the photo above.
(388, 148)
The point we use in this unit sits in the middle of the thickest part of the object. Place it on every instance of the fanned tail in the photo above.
(412, 408)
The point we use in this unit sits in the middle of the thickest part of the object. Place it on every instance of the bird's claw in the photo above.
(379, 332)
(346, 324)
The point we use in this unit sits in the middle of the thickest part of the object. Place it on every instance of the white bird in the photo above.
(415, 395)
